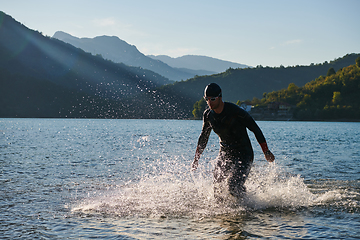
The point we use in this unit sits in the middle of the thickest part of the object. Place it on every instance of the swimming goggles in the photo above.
(211, 98)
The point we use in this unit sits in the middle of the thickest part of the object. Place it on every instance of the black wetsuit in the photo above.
(236, 154)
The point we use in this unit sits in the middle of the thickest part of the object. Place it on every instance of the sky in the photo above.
(252, 32)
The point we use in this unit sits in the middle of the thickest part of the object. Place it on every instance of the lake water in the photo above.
(131, 179)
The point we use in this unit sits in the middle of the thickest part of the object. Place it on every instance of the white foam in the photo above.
(185, 193)
(269, 186)
(329, 196)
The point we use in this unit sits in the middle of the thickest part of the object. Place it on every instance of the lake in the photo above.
(131, 179)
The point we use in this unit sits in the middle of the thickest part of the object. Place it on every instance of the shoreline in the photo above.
(255, 118)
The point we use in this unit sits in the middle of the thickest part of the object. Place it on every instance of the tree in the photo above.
(199, 108)
(330, 72)
(336, 97)
(357, 61)
(292, 87)
(255, 101)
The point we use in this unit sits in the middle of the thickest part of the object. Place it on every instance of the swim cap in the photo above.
(212, 90)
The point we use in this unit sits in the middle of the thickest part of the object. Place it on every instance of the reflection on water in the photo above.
(268, 224)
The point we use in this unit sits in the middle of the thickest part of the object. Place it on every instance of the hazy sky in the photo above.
(265, 32)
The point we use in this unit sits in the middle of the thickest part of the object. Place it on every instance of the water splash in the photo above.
(179, 192)
(155, 196)
(340, 195)
(270, 186)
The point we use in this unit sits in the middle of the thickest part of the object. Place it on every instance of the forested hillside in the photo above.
(331, 97)
(242, 84)
(335, 96)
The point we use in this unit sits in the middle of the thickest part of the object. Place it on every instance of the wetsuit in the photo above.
(236, 154)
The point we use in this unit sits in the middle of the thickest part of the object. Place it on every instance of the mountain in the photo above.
(117, 50)
(198, 62)
(45, 77)
(243, 84)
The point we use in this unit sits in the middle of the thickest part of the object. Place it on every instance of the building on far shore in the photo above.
(273, 111)
(246, 106)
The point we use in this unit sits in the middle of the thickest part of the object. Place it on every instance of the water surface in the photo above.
(131, 179)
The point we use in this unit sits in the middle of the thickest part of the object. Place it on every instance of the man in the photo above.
(236, 155)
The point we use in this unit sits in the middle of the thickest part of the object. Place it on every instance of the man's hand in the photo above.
(194, 165)
(269, 156)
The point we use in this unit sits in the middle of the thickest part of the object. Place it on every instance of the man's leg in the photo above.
(237, 177)
(221, 173)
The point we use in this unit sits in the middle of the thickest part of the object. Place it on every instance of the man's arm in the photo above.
(252, 125)
(202, 142)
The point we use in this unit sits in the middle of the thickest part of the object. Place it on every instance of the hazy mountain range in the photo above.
(119, 51)
(198, 62)
(45, 77)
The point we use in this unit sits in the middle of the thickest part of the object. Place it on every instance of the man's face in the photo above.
(213, 102)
